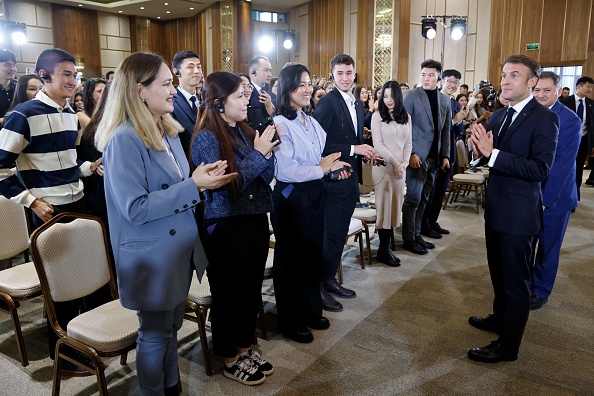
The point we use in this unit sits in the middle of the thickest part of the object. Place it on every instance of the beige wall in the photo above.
(114, 40)
(469, 55)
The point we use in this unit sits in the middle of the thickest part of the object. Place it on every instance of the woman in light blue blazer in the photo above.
(150, 199)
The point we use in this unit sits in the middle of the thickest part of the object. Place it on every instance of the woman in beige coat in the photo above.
(392, 138)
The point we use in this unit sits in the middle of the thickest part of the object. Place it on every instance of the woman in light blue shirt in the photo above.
(298, 216)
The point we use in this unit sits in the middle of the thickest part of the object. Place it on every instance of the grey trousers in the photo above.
(419, 183)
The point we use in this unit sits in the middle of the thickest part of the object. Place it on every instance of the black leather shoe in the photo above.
(414, 247)
(332, 286)
(431, 233)
(427, 245)
(537, 302)
(385, 256)
(438, 228)
(302, 336)
(488, 323)
(589, 182)
(492, 353)
(328, 302)
(320, 324)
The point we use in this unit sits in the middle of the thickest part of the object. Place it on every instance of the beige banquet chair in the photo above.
(19, 282)
(73, 260)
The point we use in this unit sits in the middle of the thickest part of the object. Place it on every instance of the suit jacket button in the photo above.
(250, 196)
(194, 202)
(176, 211)
(164, 186)
(172, 232)
(186, 206)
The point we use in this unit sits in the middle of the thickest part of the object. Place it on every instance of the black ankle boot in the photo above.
(384, 253)
(173, 391)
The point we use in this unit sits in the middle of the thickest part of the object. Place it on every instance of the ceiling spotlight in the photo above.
(266, 43)
(458, 28)
(428, 28)
(288, 39)
(142, 8)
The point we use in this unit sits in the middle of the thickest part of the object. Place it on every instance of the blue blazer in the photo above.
(183, 113)
(559, 191)
(527, 150)
(151, 221)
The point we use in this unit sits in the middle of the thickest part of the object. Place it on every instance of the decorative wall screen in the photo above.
(383, 41)
(227, 35)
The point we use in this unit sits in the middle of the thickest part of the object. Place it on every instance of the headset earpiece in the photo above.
(44, 76)
(177, 73)
(253, 72)
(219, 107)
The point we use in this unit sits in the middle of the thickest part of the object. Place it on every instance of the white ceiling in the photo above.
(157, 9)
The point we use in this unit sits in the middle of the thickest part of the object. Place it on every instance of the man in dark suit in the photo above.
(431, 119)
(341, 116)
(559, 191)
(584, 108)
(519, 148)
(429, 226)
(188, 69)
(262, 101)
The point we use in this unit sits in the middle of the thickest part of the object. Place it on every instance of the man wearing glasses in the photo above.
(188, 69)
(430, 227)
(7, 81)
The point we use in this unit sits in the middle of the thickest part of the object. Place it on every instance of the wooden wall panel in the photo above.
(552, 30)
(80, 36)
(497, 34)
(512, 24)
(242, 34)
(364, 61)
(326, 32)
(588, 69)
(577, 21)
(531, 25)
(403, 34)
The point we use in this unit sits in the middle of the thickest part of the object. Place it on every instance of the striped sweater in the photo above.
(41, 136)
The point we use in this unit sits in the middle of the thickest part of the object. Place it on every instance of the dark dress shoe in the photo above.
(589, 182)
(302, 336)
(172, 391)
(320, 324)
(385, 256)
(328, 302)
(492, 353)
(424, 243)
(537, 302)
(431, 233)
(332, 286)
(414, 247)
(438, 228)
(488, 323)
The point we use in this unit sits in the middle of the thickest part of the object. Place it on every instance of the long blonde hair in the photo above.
(124, 103)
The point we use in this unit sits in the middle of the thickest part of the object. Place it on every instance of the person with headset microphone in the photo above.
(188, 69)
(50, 173)
(262, 101)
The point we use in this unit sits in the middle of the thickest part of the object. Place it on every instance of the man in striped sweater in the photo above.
(40, 136)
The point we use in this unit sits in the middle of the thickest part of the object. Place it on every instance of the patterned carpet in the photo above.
(405, 334)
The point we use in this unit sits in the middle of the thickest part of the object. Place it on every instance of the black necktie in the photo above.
(580, 109)
(508, 120)
(194, 107)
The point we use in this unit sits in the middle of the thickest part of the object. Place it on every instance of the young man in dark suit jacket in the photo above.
(584, 108)
(188, 69)
(519, 149)
(341, 116)
(262, 101)
(559, 191)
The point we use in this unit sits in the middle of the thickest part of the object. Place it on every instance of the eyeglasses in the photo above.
(247, 86)
(453, 82)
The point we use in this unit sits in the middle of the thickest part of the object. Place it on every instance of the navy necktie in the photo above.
(580, 109)
(194, 107)
(508, 120)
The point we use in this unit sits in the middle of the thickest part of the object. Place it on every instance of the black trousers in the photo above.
(236, 248)
(298, 222)
(580, 159)
(435, 202)
(509, 266)
(341, 197)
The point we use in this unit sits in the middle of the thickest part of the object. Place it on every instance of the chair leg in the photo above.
(123, 358)
(201, 315)
(476, 198)
(101, 382)
(57, 378)
(16, 324)
(368, 242)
